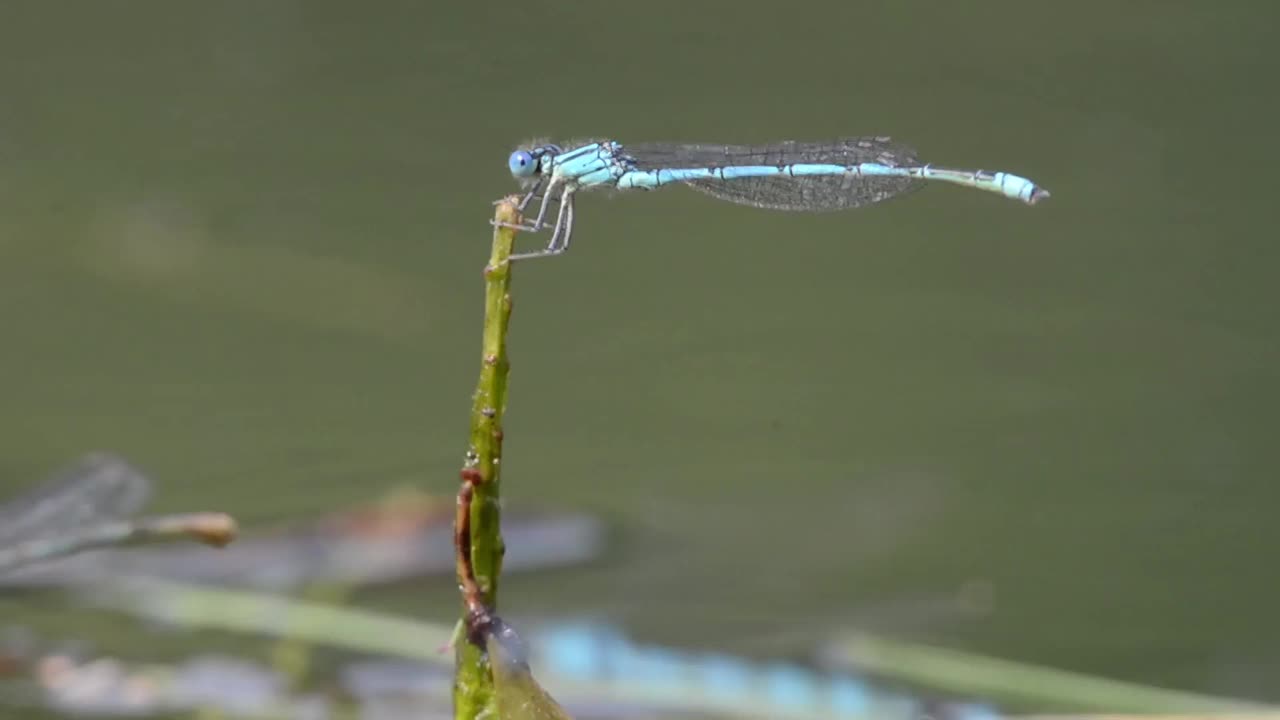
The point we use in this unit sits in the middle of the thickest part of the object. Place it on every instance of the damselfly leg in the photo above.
(563, 227)
(561, 233)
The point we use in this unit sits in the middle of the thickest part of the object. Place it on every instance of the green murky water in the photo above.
(240, 243)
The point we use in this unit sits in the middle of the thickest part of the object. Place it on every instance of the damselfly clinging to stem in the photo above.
(804, 176)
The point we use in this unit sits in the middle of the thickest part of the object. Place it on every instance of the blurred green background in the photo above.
(241, 244)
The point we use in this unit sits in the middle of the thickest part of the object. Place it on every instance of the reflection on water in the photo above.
(595, 672)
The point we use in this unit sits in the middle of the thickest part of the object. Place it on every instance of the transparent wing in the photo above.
(815, 193)
(99, 488)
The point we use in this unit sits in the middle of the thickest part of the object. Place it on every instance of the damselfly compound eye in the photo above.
(521, 164)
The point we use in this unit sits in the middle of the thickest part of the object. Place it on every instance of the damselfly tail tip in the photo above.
(1037, 194)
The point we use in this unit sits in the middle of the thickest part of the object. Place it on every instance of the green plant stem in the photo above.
(473, 690)
(1017, 684)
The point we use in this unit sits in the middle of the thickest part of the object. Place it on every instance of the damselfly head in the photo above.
(531, 160)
